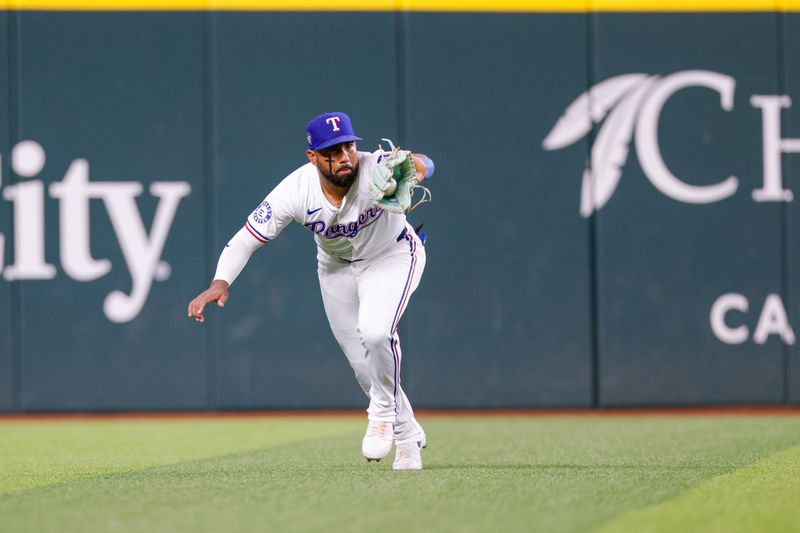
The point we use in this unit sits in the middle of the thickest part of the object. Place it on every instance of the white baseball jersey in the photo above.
(355, 231)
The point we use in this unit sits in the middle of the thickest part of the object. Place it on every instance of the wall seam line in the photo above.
(784, 212)
(13, 126)
(209, 204)
(592, 226)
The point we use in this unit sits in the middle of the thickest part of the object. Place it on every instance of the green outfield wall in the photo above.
(614, 221)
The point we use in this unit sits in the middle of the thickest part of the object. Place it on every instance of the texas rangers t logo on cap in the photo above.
(333, 120)
(329, 129)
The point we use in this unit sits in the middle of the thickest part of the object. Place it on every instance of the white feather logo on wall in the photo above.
(590, 107)
(622, 95)
(610, 150)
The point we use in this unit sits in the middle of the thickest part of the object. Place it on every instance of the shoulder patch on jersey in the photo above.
(263, 212)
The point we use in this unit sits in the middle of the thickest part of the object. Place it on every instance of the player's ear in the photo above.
(312, 157)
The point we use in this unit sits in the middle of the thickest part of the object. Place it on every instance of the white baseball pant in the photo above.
(364, 301)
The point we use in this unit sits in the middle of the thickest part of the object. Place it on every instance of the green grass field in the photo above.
(498, 474)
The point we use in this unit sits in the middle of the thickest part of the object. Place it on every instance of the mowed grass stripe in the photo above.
(481, 474)
(39, 453)
(762, 497)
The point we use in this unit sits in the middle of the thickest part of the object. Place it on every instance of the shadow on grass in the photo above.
(259, 460)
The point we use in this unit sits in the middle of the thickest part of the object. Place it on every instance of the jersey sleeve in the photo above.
(274, 213)
(235, 256)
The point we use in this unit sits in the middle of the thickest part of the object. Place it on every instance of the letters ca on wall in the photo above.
(141, 250)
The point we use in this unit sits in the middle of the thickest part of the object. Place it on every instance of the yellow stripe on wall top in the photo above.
(521, 6)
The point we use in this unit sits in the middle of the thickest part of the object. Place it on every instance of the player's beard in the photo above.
(344, 181)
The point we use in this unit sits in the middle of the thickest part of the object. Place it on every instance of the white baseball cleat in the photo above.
(408, 457)
(378, 440)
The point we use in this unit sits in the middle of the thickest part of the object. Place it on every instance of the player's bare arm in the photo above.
(216, 292)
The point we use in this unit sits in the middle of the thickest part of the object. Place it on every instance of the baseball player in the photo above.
(370, 261)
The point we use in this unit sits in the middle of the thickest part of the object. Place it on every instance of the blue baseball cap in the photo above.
(328, 129)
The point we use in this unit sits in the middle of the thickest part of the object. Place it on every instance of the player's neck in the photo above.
(334, 194)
